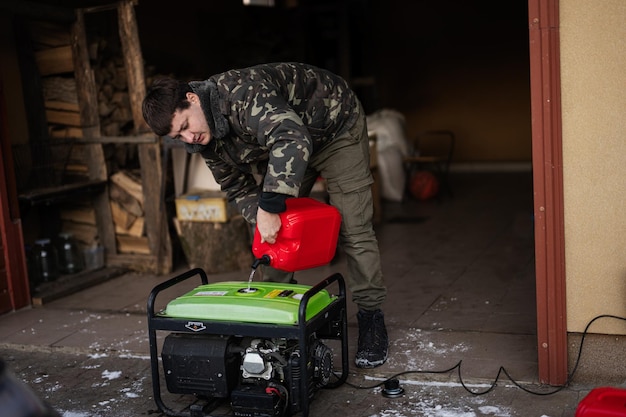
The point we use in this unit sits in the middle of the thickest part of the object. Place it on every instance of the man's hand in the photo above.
(268, 225)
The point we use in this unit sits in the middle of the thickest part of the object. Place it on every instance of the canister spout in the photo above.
(263, 260)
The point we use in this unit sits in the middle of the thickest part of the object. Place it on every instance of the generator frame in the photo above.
(329, 323)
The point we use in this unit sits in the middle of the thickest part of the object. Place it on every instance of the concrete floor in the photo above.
(461, 297)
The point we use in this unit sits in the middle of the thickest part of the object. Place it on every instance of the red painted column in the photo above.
(14, 287)
(548, 190)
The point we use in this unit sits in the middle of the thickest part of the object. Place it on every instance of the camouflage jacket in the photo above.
(266, 122)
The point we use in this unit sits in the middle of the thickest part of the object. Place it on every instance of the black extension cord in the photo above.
(501, 371)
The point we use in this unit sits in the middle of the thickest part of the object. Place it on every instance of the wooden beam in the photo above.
(87, 96)
(70, 284)
(133, 62)
(72, 132)
(135, 139)
(157, 229)
(85, 80)
(136, 262)
(152, 174)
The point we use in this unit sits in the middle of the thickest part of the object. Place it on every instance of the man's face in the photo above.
(190, 125)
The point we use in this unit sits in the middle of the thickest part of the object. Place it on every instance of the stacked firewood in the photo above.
(126, 200)
(53, 56)
(113, 100)
(114, 108)
(54, 59)
(126, 195)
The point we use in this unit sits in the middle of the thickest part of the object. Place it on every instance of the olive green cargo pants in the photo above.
(344, 164)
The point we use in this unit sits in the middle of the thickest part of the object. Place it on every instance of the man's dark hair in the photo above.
(164, 97)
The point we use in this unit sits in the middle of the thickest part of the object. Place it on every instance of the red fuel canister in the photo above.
(307, 237)
(603, 402)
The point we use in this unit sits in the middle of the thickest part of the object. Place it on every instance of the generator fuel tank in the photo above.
(238, 301)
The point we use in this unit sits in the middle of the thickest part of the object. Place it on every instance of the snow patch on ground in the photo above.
(429, 405)
(413, 347)
(97, 355)
(106, 374)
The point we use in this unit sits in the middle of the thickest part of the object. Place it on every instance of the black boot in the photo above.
(373, 341)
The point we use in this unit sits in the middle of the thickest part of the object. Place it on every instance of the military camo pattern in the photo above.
(279, 115)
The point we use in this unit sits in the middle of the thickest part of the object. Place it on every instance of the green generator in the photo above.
(258, 345)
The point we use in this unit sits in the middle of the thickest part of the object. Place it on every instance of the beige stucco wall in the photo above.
(593, 75)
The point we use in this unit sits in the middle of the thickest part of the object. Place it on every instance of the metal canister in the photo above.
(45, 261)
(70, 259)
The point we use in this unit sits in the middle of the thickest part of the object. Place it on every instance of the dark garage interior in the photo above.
(456, 65)
(453, 64)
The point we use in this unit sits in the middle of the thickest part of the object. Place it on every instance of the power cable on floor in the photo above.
(501, 371)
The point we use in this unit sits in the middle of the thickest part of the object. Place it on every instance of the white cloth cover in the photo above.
(389, 127)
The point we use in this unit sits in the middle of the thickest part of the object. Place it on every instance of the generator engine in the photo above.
(262, 377)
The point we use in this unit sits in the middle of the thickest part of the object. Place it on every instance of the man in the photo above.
(267, 133)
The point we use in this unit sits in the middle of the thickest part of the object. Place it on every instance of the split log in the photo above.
(137, 229)
(55, 60)
(130, 184)
(127, 201)
(78, 215)
(61, 105)
(76, 169)
(131, 244)
(57, 132)
(122, 218)
(66, 118)
(60, 89)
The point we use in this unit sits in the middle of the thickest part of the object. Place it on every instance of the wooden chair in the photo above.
(432, 150)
